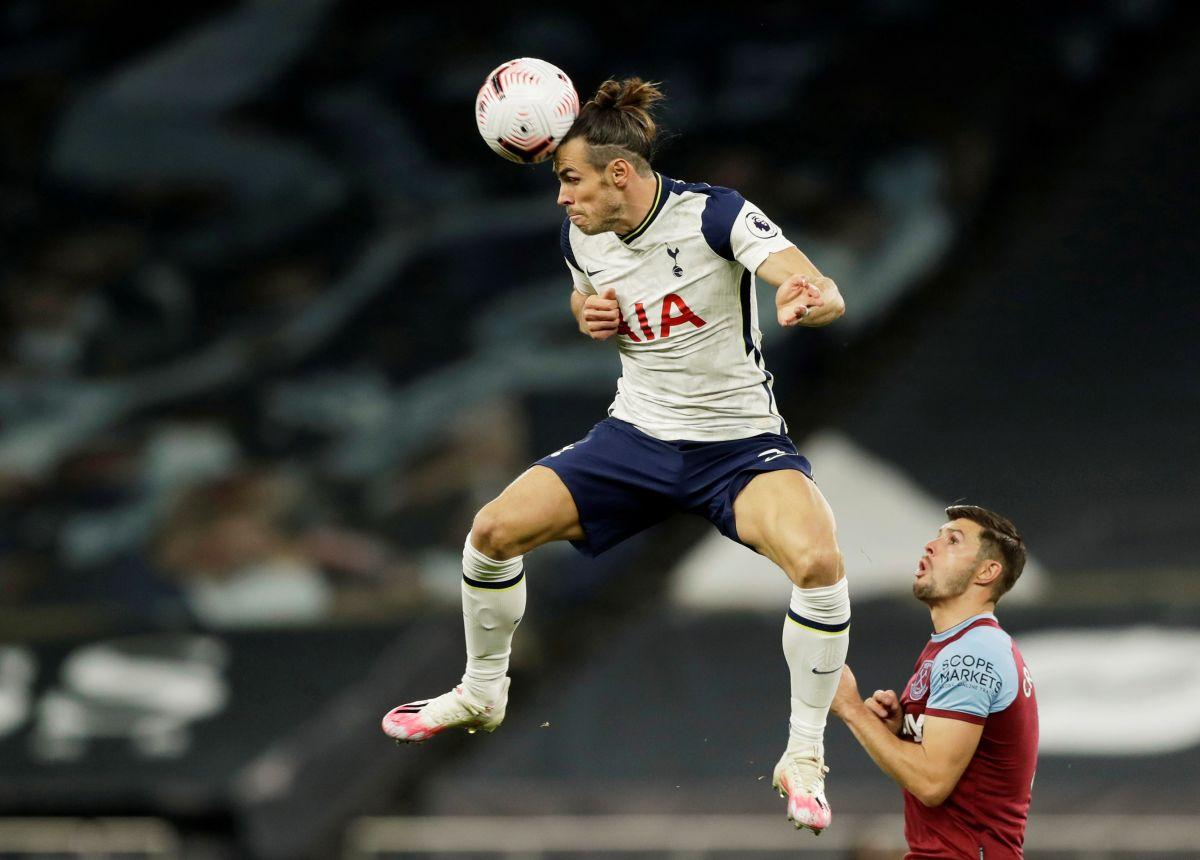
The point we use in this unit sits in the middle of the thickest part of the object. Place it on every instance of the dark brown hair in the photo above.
(618, 123)
(999, 540)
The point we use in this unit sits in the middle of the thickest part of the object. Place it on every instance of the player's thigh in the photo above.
(534, 509)
(784, 516)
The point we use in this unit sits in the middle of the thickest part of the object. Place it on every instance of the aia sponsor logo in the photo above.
(920, 683)
(674, 312)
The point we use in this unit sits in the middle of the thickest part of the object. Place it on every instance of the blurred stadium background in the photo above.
(276, 323)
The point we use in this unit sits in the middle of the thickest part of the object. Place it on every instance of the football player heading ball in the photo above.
(666, 270)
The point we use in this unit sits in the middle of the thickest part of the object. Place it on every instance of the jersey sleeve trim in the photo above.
(955, 715)
(564, 239)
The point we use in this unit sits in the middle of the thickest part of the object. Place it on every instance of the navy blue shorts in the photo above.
(624, 481)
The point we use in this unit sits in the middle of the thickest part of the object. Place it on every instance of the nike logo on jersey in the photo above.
(593, 274)
(817, 671)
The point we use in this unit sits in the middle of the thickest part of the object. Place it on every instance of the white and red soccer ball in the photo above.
(524, 109)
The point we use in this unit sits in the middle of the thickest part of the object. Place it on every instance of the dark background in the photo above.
(275, 323)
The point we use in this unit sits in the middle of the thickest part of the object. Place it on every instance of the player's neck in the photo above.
(639, 199)
(955, 612)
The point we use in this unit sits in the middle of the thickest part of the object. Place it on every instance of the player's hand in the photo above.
(795, 298)
(885, 705)
(601, 315)
(846, 696)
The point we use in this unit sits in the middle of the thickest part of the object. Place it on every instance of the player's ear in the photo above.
(989, 572)
(619, 170)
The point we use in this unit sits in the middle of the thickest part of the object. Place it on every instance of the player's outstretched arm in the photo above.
(598, 317)
(803, 296)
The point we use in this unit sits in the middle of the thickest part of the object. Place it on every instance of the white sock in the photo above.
(493, 598)
(816, 635)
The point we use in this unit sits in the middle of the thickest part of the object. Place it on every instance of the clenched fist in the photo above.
(885, 705)
(601, 315)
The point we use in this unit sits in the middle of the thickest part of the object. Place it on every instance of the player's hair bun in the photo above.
(620, 114)
(632, 94)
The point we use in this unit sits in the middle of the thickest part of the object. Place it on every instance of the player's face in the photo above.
(949, 563)
(592, 202)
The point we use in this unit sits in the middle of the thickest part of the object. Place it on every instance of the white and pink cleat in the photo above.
(800, 777)
(419, 721)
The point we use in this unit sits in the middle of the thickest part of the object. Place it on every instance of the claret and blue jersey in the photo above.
(690, 344)
(974, 672)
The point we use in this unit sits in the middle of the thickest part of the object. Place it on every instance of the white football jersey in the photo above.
(691, 350)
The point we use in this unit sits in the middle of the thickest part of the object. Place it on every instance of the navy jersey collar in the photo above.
(661, 193)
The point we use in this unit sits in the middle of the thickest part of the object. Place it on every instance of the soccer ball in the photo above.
(524, 108)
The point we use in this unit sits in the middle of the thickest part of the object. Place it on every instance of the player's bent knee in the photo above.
(494, 534)
(814, 566)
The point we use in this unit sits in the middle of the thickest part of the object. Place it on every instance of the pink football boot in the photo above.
(419, 721)
(800, 777)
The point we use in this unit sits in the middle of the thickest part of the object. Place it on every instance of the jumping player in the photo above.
(962, 739)
(667, 270)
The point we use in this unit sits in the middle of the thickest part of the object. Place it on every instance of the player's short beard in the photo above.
(930, 593)
(608, 210)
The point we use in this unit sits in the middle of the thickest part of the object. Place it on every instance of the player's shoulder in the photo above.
(983, 653)
(716, 201)
(975, 672)
(719, 210)
(703, 190)
(983, 639)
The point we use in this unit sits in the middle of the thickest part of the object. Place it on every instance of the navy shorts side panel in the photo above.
(620, 479)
